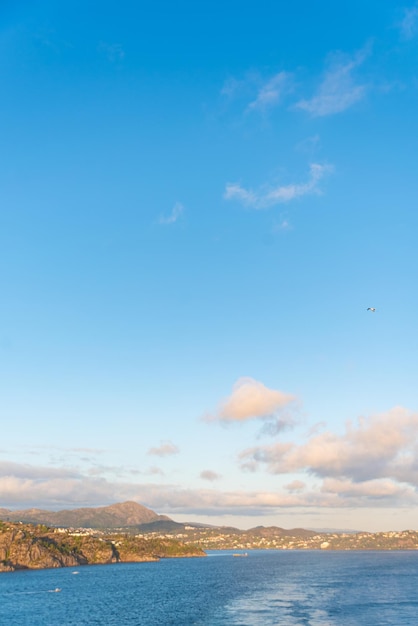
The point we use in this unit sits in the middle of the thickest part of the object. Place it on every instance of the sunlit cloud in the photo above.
(269, 196)
(370, 489)
(409, 23)
(165, 449)
(380, 447)
(176, 212)
(250, 400)
(338, 90)
(29, 486)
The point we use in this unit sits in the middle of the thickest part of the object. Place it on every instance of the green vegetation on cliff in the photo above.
(26, 546)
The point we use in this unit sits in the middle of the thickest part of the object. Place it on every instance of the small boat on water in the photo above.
(240, 554)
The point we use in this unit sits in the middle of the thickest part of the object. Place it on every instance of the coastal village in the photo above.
(268, 538)
(210, 539)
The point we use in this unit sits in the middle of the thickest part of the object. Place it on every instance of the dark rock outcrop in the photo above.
(24, 546)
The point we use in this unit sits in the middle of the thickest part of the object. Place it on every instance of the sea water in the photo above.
(266, 588)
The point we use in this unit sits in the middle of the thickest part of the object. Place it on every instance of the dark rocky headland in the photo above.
(29, 546)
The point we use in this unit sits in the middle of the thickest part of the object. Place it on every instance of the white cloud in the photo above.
(371, 489)
(271, 92)
(29, 486)
(409, 24)
(165, 449)
(249, 400)
(270, 196)
(380, 447)
(38, 486)
(176, 213)
(338, 90)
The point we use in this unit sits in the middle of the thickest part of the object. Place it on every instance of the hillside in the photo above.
(275, 531)
(120, 515)
(26, 546)
(127, 515)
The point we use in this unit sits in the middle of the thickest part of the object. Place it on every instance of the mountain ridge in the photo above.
(117, 515)
(129, 515)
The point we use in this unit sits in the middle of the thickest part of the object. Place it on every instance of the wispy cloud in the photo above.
(155, 471)
(257, 93)
(231, 87)
(409, 23)
(165, 449)
(176, 212)
(309, 145)
(269, 196)
(114, 52)
(37, 473)
(282, 225)
(271, 92)
(338, 90)
(251, 400)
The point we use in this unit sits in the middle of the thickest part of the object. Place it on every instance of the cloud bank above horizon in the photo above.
(373, 463)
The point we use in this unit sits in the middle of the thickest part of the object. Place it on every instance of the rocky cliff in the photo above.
(24, 546)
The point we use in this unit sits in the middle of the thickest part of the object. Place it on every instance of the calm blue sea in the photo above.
(267, 588)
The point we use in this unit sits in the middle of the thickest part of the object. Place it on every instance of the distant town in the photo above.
(263, 538)
(271, 538)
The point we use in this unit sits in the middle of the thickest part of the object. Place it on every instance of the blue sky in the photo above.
(198, 203)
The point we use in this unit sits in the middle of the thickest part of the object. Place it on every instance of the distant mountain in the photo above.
(138, 518)
(347, 531)
(114, 516)
(274, 531)
(161, 526)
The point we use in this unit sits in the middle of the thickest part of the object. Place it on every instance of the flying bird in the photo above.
(372, 309)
